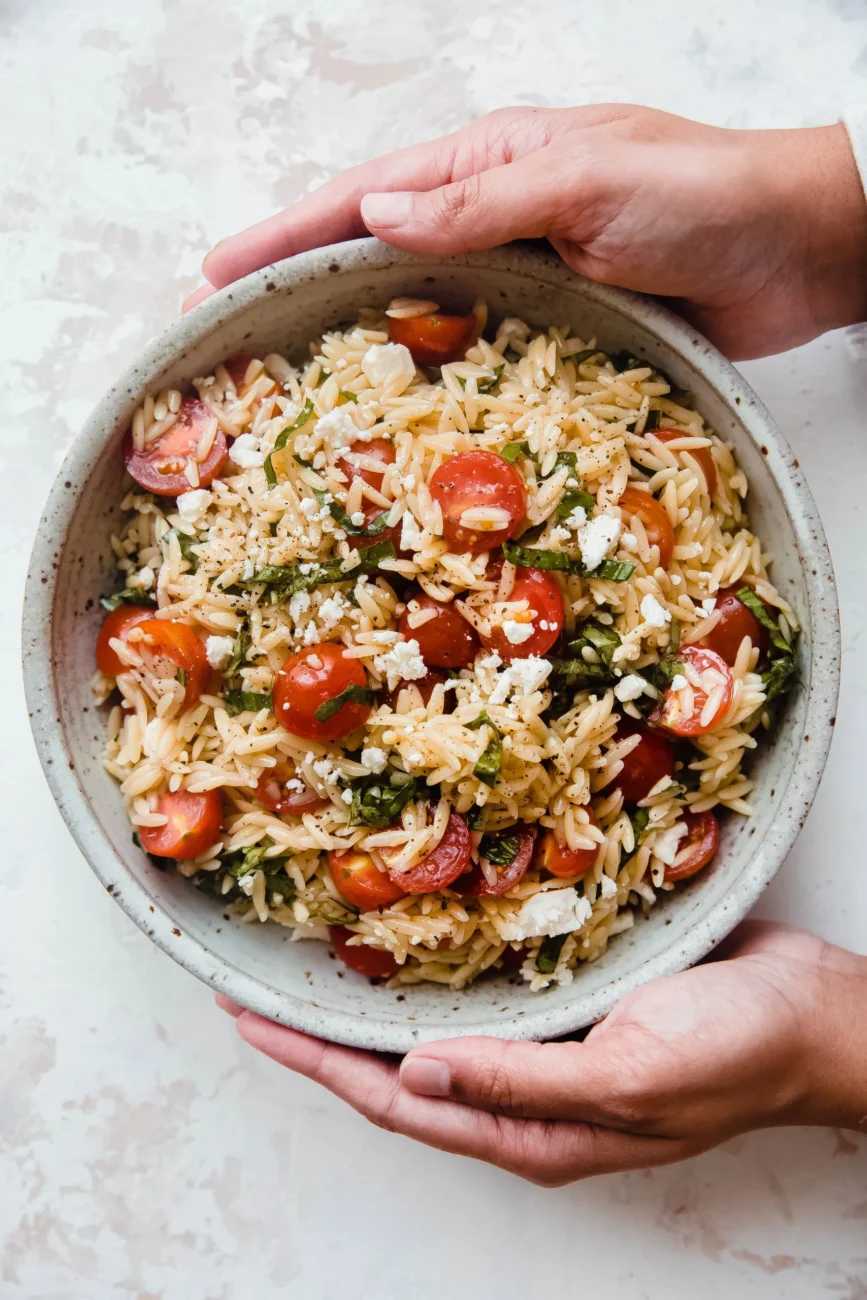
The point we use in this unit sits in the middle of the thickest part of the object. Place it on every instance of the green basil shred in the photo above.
(236, 702)
(130, 596)
(352, 695)
(549, 953)
(500, 850)
(375, 802)
(487, 767)
(283, 437)
(534, 557)
(781, 672)
(488, 385)
(513, 450)
(285, 580)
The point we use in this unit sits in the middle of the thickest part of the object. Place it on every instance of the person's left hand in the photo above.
(770, 1035)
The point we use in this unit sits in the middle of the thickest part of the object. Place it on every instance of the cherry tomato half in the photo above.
(424, 685)
(734, 623)
(701, 455)
(478, 480)
(194, 822)
(562, 861)
(168, 649)
(378, 449)
(683, 712)
(115, 627)
(698, 848)
(278, 789)
(237, 366)
(546, 613)
(654, 517)
(310, 679)
(375, 963)
(445, 641)
(360, 881)
(443, 865)
(476, 885)
(650, 760)
(160, 467)
(433, 340)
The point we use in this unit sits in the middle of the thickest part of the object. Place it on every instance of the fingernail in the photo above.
(386, 209)
(425, 1075)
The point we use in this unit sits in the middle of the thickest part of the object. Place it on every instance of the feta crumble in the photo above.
(630, 688)
(143, 580)
(373, 760)
(219, 650)
(596, 539)
(337, 428)
(666, 843)
(325, 770)
(556, 911)
(298, 605)
(577, 519)
(403, 663)
(520, 678)
(386, 362)
(331, 611)
(192, 505)
(246, 453)
(410, 533)
(678, 682)
(653, 613)
(517, 633)
(607, 887)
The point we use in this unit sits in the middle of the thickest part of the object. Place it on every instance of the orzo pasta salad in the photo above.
(448, 645)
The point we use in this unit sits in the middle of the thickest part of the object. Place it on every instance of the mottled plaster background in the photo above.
(144, 1152)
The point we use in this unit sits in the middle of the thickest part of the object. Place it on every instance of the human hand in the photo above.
(759, 237)
(774, 1033)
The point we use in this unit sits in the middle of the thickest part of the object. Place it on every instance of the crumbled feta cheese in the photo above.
(629, 541)
(311, 634)
(192, 505)
(337, 428)
(357, 518)
(219, 650)
(409, 483)
(630, 688)
(665, 846)
(298, 605)
(577, 519)
(325, 770)
(385, 362)
(246, 453)
(709, 605)
(520, 678)
(678, 682)
(560, 535)
(402, 663)
(373, 760)
(552, 912)
(347, 796)
(596, 539)
(607, 887)
(248, 570)
(410, 533)
(653, 613)
(143, 580)
(331, 611)
(516, 632)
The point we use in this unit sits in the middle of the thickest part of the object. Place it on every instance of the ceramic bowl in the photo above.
(282, 307)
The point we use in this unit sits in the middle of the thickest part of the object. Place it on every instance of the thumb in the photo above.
(518, 200)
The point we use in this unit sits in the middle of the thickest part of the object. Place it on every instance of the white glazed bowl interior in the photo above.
(283, 307)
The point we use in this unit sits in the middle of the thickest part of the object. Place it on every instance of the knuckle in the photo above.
(460, 201)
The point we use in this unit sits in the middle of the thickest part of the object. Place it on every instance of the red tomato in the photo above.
(654, 517)
(160, 467)
(701, 455)
(562, 861)
(433, 340)
(545, 600)
(277, 790)
(475, 883)
(357, 877)
(378, 449)
(309, 679)
(167, 649)
(237, 367)
(375, 963)
(735, 622)
(650, 760)
(477, 480)
(681, 711)
(447, 861)
(424, 686)
(194, 823)
(446, 641)
(512, 959)
(698, 848)
(115, 627)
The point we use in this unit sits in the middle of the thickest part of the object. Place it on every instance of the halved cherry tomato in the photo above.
(701, 455)
(277, 788)
(375, 963)
(378, 449)
(310, 679)
(559, 859)
(424, 685)
(682, 712)
(478, 480)
(698, 848)
(237, 367)
(511, 959)
(168, 649)
(654, 517)
(443, 865)
(194, 822)
(160, 467)
(735, 622)
(445, 641)
(357, 877)
(476, 885)
(650, 760)
(546, 613)
(115, 627)
(433, 340)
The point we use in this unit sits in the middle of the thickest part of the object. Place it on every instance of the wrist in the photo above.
(835, 1043)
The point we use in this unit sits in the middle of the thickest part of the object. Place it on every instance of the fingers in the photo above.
(226, 1004)
(198, 295)
(550, 1154)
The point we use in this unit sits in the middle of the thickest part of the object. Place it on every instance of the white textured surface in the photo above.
(145, 1153)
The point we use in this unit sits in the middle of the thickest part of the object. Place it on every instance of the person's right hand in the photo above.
(760, 237)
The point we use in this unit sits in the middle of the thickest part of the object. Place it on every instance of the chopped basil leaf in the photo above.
(186, 544)
(571, 501)
(613, 570)
(181, 675)
(488, 385)
(537, 558)
(513, 450)
(283, 437)
(779, 677)
(639, 817)
(236, 702)
(627, 361)
(286, 579)
(603, 640)
(487, 767)
(549, 953)
(239, 651)
(352, 695)
(565, 460)
(662, 674)
(759, 611)
(130, 596)
(377, 803)
(580, 357)
(578, 674)
(347, 395)
(475, 817)
(652, 421)
(500, 850)
(339, 515)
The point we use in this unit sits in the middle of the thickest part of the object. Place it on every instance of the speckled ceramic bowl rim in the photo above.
(538, 1022)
